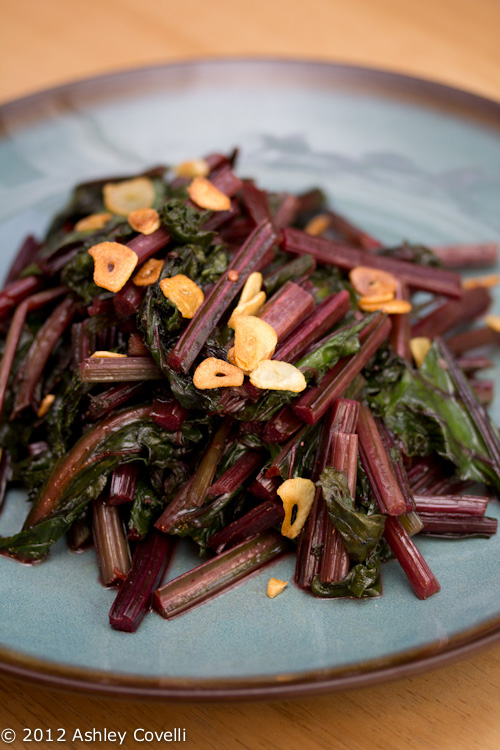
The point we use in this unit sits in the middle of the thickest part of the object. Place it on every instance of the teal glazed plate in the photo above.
(403, 157)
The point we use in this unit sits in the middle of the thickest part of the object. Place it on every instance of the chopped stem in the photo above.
(149, 563)
(451, 505)
(451, 314)
(40, 350)
(346, 257)
(377, 465)
(236, 475)
(457, 526)
(263, 517)
(316, 325)
(214, 576)
(407, 554)
(281, 426)
(112, 398)
(335, 558)
(16, 329)
(113, 553)
(287, 309)
(77, 459)
(18, 291)
(481, 255)
(194, 493)
(26, 255)
(119, 369)
(123, 484)
(315, 402)
(169, 414)
(475, 339)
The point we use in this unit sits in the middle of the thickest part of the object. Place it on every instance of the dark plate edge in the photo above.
(397, 666)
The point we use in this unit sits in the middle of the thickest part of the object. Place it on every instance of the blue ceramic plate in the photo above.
(406, 159)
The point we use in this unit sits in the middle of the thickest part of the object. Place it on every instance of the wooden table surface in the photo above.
(453, 41)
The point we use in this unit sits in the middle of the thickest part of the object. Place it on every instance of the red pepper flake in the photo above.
(233, 275)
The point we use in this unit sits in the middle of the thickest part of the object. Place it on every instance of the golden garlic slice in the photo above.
(419, 346)
(107, 355)
(296, 493)
(124, 197)
(216, 373)
(144, 220)
(251, 287)
(273, 375)
(206, 195)
(44, 407)
(493, 322)
(275, 586)
(183, 293)
(250, 307)
(371, 281)
(92, 223)
(193, 168)
(149, 273)
(487, 281)
(254, 340)
(113, 265)
(317, 225)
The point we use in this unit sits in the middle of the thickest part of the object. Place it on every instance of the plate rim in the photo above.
(394, 666)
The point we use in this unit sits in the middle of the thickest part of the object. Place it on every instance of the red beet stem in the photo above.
(194, 492)
(287, 309)
(346, 257)
(281, 426)
(311, 537)
(145, 246)
(215, 576)
(377, 465)
(111, 399)
(458, 526)
(149, 563)
(459, 505)
(315, 402)
(16, 329)
(119, 369)
(123, 484)
(236, 475)
(226, 181)
(475, 339)
(252, 256)
(416, 569)
(25, 256)
(335, 558)
(136, 346)
(400, 332)
(40, 350)
(255, 202)
(263, 517)
(480, 255)
(17, 291)
(169, 414)
(129, 299)
(317, 324)
(473, 304)
(113, 553)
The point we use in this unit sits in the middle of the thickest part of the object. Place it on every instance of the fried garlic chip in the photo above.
(296, 493)
(273, 375)
(254, 341)
(216, 373)
(130, 195)
(113, 265)
(183, 293)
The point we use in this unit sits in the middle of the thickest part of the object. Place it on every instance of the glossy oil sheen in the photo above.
(403, 160)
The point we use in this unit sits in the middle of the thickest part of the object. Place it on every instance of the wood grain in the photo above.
(454, 41)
